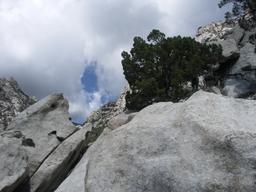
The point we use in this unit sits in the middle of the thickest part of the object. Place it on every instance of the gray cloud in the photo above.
(47, 44)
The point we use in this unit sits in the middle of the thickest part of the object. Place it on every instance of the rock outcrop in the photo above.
(108, 111)
(236, 74)
(99, 120)
(59, 163)
(49, 140)
(230, 49)
(242, 76)
(120, 120)
(42, 143)
(43, 126)
(13, 163)
(12, 101)
(206, 143)
(107, 118)
(214, 31)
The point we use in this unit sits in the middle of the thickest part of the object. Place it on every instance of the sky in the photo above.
(74, 46)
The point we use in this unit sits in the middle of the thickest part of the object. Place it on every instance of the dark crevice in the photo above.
(241, 39)
(24, 187)
(28, 142)
(60, 139)
(61, 174)
(53, 106)
(51, 151)
(52, 133)
(70, 163)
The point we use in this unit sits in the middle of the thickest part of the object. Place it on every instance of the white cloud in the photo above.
(45, 43)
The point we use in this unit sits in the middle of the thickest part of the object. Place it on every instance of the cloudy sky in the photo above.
(74, 46)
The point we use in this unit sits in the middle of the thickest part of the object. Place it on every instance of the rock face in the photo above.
(230, 49)
(242, 76)
(108, 117)
(108, 111)
(238, 68)
(42, 145)
(99, 120)
(214, 31)
(44, 126)
(206, 143)
(120, 120)
(13, 164)
(12, 101)
(59, 163)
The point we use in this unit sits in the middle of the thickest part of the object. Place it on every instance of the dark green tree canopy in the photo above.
(158, 69)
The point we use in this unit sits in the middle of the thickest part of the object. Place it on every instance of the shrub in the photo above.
(157, 69)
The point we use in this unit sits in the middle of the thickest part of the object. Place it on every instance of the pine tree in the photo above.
(159, 68)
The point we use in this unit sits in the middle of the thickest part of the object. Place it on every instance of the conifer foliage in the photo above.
(158, 69)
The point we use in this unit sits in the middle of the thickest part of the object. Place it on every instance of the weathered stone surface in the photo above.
(120, 120)
(108, 111)
(247, 37)
(230, 50)
(237, 33)
(100, 118)
(57, 166)
(13, 164)
(52, 142)
(248, 58)
(12, 101)
(44, 126)
(75, 181)
(214, 89)
(237, 74)
(214, 31)
(242, 76)
(207, 143)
